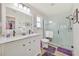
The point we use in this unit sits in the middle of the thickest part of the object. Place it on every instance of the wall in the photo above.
(76, 34)
(3, 19)
(0, 22)
(36, 13)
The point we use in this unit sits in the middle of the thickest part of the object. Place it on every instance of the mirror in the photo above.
(18, 22)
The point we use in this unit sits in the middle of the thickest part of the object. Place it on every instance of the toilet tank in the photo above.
(49, 34)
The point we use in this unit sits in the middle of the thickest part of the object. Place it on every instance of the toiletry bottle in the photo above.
(13, 32)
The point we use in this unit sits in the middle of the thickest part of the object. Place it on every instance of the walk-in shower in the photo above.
(61, 27)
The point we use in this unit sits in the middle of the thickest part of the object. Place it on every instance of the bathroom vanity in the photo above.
(28, 45)
(17, 38)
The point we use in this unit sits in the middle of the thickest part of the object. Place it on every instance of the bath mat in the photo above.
(47, 54)
(65, 51)
(50, 49)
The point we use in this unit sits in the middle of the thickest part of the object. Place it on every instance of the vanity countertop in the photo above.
(18, 37)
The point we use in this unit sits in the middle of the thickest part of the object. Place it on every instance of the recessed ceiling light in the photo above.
(50, 22)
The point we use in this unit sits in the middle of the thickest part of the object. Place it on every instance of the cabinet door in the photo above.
(17, 48)
(36, 45)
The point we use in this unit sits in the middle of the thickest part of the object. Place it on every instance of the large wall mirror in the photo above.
(17, 22)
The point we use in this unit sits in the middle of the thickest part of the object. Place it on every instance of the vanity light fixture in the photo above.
(20, 5)
(28, 10)
(15, 4)
(23, 7)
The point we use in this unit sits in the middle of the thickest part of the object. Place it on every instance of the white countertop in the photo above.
(18, 37)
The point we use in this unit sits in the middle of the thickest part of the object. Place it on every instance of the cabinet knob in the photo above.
(29, 42)
(29, 49)
(33, 40)
(23, 45)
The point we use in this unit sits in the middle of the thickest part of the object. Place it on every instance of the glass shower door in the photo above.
(65, 37)
(62, 34)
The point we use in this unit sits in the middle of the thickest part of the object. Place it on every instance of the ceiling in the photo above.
(52, 8)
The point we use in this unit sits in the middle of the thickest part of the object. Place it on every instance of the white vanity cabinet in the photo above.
(16, 48)
(35, 45)
(25, 47)
(28, 45)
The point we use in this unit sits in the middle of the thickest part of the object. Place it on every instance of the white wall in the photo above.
(76, 38)
(3, 19)
(35, 13)
(0, 21)
(76, 34)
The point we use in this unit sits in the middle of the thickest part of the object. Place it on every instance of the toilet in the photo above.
(44, 43)
(46, 40)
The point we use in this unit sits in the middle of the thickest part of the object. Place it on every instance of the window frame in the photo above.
(38, 21)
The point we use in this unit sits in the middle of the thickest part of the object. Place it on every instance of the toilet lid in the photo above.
(44, 40)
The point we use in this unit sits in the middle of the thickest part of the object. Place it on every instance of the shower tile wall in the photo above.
(61, 24)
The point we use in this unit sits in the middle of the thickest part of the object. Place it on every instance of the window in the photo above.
(38, 22)
(38, 25)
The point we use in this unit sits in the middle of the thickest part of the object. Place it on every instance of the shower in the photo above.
(62, 30)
